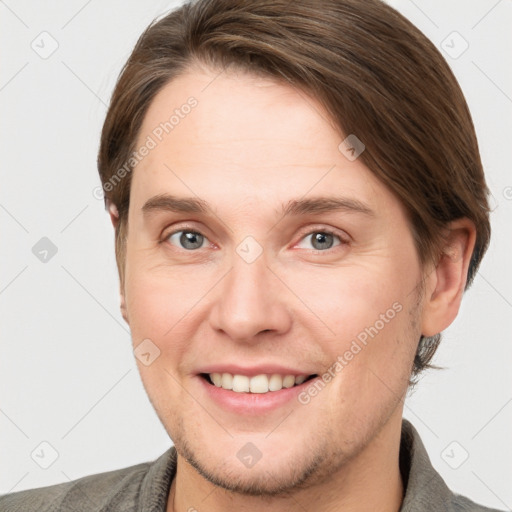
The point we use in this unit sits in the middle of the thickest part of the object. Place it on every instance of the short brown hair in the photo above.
(376, 75)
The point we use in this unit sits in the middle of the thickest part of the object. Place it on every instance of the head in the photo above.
(247, 114)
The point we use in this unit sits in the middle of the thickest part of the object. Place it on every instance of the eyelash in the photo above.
(189, 229)
(325, 231)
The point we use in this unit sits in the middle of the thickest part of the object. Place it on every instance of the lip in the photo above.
(251, 371)
(252, 404)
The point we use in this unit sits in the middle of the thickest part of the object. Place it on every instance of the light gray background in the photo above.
(67, 372)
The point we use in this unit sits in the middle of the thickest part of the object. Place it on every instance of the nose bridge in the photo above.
(249, 301)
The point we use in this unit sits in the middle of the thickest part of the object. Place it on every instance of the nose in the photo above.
(250, 303)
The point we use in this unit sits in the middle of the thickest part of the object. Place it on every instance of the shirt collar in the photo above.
(425, 490)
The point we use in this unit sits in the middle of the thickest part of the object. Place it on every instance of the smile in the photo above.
(261, 384)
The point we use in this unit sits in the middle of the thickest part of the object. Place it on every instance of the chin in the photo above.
(279, 471)
(265, 478)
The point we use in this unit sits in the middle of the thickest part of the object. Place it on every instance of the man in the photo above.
(299, 205)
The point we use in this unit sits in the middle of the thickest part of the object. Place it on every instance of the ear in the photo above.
(445, 283)
(113, 212)
(124, 311)
(114, 217)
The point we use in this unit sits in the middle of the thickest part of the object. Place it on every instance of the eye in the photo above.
(322, 240)
(186, 239)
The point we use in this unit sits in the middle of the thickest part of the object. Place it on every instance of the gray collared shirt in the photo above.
(145, 487)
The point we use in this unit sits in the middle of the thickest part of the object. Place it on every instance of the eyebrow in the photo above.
(296, 207)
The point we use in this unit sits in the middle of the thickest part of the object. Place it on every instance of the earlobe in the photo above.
(448, 279)
(124, 311)
(113, 212)
(114, 217)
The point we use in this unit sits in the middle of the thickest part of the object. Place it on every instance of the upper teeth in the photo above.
(257, 384)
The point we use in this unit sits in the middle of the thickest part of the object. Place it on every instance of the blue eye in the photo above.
(322, 240)
(188, 240)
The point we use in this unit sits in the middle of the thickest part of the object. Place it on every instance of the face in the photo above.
(297, 262)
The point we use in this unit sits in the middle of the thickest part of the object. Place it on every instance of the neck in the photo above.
(370, 481)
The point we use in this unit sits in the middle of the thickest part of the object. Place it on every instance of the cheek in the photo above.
(378, 362)
(155, 316)
(166, 306)
(147, 305)
(346, 300)
(365, 315)
(155, 312)
(158, 297)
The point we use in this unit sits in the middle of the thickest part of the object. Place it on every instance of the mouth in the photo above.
(257, 384)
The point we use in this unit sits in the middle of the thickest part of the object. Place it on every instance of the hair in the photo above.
(374, 72)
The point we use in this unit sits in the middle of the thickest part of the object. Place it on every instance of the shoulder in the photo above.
(117, 490)
(425, 488)
(462, 504)
(87, 493)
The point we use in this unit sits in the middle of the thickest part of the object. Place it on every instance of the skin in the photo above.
(249, 146)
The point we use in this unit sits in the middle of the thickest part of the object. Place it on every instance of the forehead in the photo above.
(239, 137)
(236, 110)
